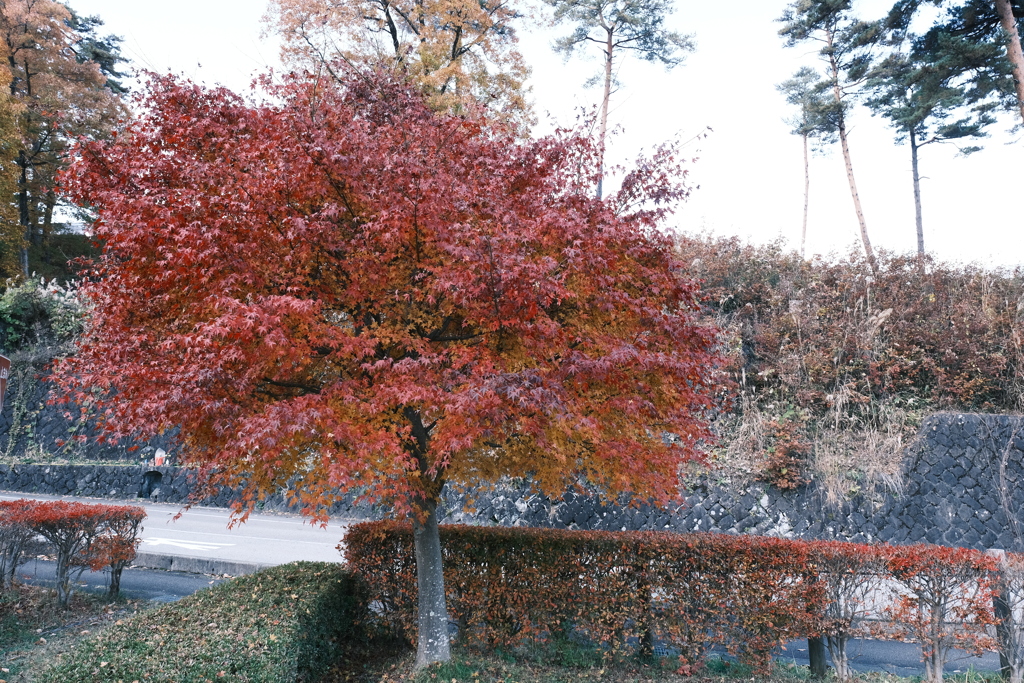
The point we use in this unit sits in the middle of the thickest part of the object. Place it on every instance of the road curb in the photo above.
(195, 565)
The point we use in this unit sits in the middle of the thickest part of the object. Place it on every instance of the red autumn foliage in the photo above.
(80, 535)
(15, 537)
(349, 288)
(340, 289)
(508, 586)
(944, 601)
(117, 543)
(852, 577)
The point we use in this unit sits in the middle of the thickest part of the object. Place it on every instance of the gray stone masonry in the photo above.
(963, 486)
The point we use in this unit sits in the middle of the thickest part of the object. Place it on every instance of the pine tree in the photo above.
(616, 25)
(846, 49)
(816, 118)
(927, 101)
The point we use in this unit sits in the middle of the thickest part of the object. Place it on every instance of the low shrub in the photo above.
(15, 537)
(853, 577)
(80, 535)
(287, 623)
(944, 600)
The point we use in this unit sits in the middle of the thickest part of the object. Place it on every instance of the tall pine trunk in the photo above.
(432, 644)
(603, 132)
(807, 198)
(914, 147)
(841, 125)
(1013, 49)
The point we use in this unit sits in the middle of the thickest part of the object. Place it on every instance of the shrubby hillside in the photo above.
(834, 368)
(831, 369)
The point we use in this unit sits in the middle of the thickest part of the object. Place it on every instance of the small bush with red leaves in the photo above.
(15, 537)
(507, 586)
(944, 600)
(80, 535)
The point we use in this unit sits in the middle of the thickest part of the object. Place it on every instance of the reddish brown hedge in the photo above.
(508, 586)
(81, 535)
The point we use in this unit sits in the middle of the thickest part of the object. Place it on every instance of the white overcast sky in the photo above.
(750, 169)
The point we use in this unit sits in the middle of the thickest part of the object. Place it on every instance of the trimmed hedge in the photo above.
(286, 623)
(616, 589)
(625, 591)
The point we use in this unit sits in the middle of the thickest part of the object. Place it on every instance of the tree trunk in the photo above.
(603, 132)
(807, 196)
(917, 194)
(1013, 49)
(840, 660)
(837, 93)
(816, 655)
(63, 579)
(23, 213)
(43, 235)
(114, 589)
(432, 643)
(933, 664)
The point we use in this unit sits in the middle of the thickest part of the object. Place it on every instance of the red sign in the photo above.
(5, 373)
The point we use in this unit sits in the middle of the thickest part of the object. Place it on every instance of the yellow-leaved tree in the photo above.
(61, 81)
(11, 239)
(461, 53)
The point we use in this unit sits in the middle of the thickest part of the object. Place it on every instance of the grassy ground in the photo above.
(34, 629)
(392, 665)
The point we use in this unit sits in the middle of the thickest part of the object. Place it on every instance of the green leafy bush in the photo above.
(39, 312)
(287, 623)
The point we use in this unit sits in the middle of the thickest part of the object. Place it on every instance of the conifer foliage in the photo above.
(346, 291)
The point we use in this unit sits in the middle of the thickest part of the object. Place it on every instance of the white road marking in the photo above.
(244, 537)
(187, 545)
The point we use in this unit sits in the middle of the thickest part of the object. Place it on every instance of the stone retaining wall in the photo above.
(953, 479)
(31, 428)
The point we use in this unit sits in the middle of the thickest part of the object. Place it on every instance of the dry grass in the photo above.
(854, 452)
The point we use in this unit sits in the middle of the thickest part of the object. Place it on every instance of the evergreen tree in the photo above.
(846, 49)
(965, 26)
(816, 118)
(616, 25)
(927, 101)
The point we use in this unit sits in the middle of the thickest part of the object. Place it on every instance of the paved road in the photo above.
(136, 584)
(200, 540)
(901, 659)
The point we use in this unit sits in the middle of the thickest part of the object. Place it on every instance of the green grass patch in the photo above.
(33, 627)
(287, 623)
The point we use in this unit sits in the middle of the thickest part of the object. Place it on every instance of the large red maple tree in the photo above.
(339, 289)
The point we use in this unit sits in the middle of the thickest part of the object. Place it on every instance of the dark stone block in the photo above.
(970, 539)
(965, 512)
